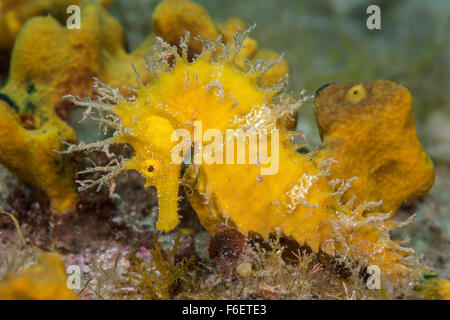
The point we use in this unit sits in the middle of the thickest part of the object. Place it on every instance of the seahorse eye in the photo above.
(151, 167)
(356, 93)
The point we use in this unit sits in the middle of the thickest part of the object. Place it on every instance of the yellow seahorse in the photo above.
(303, 198)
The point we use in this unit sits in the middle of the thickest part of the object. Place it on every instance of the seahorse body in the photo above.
(300, 200)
